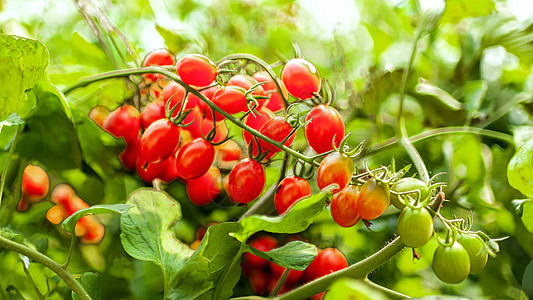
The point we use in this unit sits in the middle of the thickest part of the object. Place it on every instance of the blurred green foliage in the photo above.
(473, 69)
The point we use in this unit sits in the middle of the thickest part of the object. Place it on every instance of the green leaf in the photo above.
(297, 219)
(456, 10)
(92, 284)
(88, 53)
(473, 94)
(522, 134)
(520, 170)
(347, 288)
(506, 31)
(518, 204)
(22, 62)
(296, 255)
(181, 40)
(209, 265)
(378, 88)
(12, 120)
(527, 279)
(527, 215)
(146, 235)
(439, 107)
(70, 223)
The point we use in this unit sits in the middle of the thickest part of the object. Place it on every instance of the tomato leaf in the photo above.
(209, 266)
(438, 105)
(12, 120)
(92, 283)
(146, 235)
(527, 215)
(25, 60)
(297, 219)
(520, 170)
(296, 255)
(70, 223)
(527, 279)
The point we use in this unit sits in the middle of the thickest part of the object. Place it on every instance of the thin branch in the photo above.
(8, 160)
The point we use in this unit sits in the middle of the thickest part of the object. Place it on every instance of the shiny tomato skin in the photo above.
(327, 261)
(159, 57)
(275, 102)
(405, 185)
(204, 189)
(451, 264)
(259, 281)
(128, 156)
(326, 123)
(256, 122)
(474, 245)
(152, 112)
(231, 99)
(246, 82)
(335, 168)
(35, 183)
(196, 69)
(123, 122)
(170, 169)
(277, 129)
(195, 158)
(149, 171)
(263, 243)
(344, 206)
(373, 200)
(175, 94)
(415, 226)
(159, 140)
(301, 78)
(289, 191)
(221, 129)
(246, 181)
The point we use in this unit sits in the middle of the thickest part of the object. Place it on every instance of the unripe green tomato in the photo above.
(415, 226)
(406, 185)
(451, 264)
(474, 246)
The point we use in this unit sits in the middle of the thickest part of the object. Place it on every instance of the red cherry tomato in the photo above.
(277, 129)
(159, 57)
(335, 168)
(124, 122)
(289, 191)
(149, 171)
(259, 281)
(128, 156)
(175, 93)
(221, 130)
(231, 99)
(246, 82)
(246, 181)
(275, 102)
(159, 140)
(256, 122)
(195, 158)
(204, 189)
(373, 200)
(263, 243)
(326, 123)
(35, 183)
(344, 206)
(196, 69)
(301, 78)
(152, 112)
(170, 169)
(327, 261)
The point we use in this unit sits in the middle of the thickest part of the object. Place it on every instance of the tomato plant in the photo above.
(301, 78)
(158, 57)
(196, 69)
(280, 131)
(451, 263)
(159, 140)
(320, 137)
(123, 122)
(373, 199)
(344, 209)
(476, 251)
(204, 189)
(327, 261)
(415, 226)
(246, 181)
(289, 191)
(195, 158)
(336, 168)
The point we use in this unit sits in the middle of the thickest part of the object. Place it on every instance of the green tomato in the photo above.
(451, 264)
(415, 226)
(474, 246)
(406, 185)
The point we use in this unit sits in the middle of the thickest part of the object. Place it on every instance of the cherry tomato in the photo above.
(195, 158)
(415, 226)
(301, 78)
(474, 245)
(123, 122)
(204, 109)
(263, 243)
(228, 151)
(246, 181)
(159, 57)
(196, 69)
(406, 185)
(194, 121)
(451, 264)
(327, 261)
(293, 278)
(246, 82)
(326, 123)
(98, 114)
(204, 189)
(373, 200)
(344, 206)
(159, 140)
(221, 130)
(256, 121)
(275, 102)
(289, 191)
(335, 168)
(128, 156)
(259, 281)
(152, 112)
(35, 183)
(277, 129)
(170, 172)
(175, 93)
(231, 99)
(149, 171)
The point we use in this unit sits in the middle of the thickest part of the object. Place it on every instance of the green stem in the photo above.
(280, 282)
(391, 294)
(416, 158)
(174, 77)
(30, 278)
(6, 164)
(358, 271)
(223, 279)
(47, 262)
(70, 250)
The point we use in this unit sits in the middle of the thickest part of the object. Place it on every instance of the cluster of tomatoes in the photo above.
(35, 186)
(264, 276)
